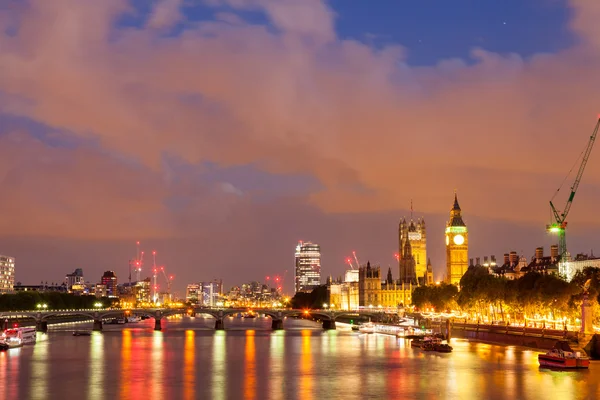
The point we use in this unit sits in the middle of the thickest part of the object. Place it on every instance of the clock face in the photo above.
(459, 239)
(414, 236)
(447, 240)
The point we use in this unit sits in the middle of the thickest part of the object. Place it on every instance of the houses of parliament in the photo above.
(371, 289)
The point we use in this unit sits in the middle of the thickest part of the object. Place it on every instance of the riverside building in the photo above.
(7, 274)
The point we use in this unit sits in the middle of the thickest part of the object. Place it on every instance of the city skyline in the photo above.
(210, 130)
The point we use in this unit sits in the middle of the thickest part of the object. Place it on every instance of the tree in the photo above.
(313, 300)
(441, 297)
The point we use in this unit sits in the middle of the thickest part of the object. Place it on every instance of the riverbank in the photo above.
(537, 338)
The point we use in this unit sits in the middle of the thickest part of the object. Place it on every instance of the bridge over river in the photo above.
(327, 317)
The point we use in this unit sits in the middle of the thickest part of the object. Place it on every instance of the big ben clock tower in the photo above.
(457, 245)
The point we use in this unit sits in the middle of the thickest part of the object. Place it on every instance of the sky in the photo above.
(221, 132)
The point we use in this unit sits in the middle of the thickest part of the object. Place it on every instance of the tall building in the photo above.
(75, 279)
(457, 245)
(308, 267)
(210, 292)
(193, 292)
(415, 234)
(109, 280)
(7, 274)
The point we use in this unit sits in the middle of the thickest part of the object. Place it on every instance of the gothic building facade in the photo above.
(412, 252)
(373, 291)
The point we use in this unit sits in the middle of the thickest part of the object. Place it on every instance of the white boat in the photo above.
(133, 319)
(17, 337)
(368, 327)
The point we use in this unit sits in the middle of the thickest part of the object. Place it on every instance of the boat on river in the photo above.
(368, 327)
(426, 343)
(443, 348)
(133, 319)
(562, 356)
(431, 343)
(82, 333)
(17, 337)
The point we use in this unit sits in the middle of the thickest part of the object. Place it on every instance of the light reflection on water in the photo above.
(96, 367)
(306, 365)
(39, 370)
(277, 367)
(188, 362)
(219, 375)
(157, 376)
(126, 364)
(250, 366)
(189, 355)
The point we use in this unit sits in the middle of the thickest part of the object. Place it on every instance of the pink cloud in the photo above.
(374, 130)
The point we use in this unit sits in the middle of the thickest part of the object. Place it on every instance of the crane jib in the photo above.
(561, 217)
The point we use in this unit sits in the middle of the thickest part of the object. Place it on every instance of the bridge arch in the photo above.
(352, 314)
(45, 316)
(323, 315)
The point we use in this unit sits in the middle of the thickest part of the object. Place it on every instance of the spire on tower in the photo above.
(456, 206)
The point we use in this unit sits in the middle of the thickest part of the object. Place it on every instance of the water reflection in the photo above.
(219, 374)
(277, 370)
(306, 382)
(137, 363)
(250, 367)
(157, 366)
(13, 371)
(96, 367)
(189, 353)
(126, 364)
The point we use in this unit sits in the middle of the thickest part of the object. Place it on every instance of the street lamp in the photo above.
(42, 306)
(325, 305)
(98, 305)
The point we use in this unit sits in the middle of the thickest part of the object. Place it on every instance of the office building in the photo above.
(308, 267)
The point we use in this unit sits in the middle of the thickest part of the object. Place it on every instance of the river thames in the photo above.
(189, 360)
